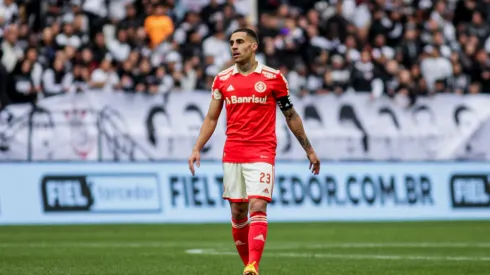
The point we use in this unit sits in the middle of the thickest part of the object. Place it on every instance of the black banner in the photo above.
(470, 190)
(66, 193)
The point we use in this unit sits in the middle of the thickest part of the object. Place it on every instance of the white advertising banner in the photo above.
(52, 193)
(134, 127)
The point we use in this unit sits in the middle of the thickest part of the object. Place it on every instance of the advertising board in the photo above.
(47, 193)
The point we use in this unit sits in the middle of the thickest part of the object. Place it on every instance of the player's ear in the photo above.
(255, 46)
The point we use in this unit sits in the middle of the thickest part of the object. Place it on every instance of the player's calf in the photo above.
(239, 210)
(257, 205)
(258, 231)
(240, 229)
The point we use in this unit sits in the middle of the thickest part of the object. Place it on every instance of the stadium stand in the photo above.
(395, 47)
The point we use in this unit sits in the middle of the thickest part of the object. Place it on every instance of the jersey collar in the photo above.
(257, 70)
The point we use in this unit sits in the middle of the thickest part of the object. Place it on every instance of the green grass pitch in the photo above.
(408, 248)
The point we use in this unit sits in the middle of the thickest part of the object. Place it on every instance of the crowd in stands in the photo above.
(399, 48)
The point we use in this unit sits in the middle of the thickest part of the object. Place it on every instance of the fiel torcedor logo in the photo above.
(101, 193)
(470, 190)
(66, 193)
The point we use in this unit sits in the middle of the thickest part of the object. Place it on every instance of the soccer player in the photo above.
(251, 91)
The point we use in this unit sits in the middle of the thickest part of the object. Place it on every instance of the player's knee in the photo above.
(258, 205)
(239, 210)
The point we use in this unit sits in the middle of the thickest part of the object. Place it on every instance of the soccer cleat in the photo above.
(250, 270)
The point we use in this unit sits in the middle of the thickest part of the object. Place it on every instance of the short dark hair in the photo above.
(249, 32)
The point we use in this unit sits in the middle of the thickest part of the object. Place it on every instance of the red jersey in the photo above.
(250, 112)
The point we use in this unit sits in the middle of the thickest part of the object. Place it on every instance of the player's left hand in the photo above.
(314, 163)
(194, 158)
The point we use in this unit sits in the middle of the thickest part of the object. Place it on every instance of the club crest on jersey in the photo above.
(260, 87)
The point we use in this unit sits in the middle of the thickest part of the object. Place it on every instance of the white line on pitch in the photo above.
(378, 245)
(348, 256)
(110, 244)
(270, 246)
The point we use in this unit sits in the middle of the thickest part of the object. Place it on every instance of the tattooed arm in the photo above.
(295, 124)
(294, 121)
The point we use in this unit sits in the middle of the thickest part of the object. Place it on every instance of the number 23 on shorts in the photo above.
(265, 177)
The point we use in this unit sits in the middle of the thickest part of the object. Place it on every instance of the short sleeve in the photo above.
(215, 89)
(281, 88)
(281, 93)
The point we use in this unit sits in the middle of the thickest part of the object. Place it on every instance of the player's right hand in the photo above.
(314, 163)
(194, 158)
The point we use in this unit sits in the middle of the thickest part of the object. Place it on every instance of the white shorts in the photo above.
(243, 181)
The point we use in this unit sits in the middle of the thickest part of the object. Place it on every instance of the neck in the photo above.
(248, 66)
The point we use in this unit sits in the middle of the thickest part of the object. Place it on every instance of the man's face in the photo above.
(242, 47)
(160, 10)
(130, 10)
(365, 56)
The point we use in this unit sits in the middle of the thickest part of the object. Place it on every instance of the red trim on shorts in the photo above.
(273, 179)
(236, 200)
(270, 161)
(260, 197)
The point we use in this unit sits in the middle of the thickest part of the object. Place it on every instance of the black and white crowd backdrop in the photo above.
(94, 126)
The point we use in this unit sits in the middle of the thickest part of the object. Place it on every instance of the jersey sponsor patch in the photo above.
(269, 75)
(246, 99)
(270, 69)
(216, 94)
(260, 87)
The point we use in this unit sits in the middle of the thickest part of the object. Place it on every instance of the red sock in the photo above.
(240, 236)
(257, 237)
